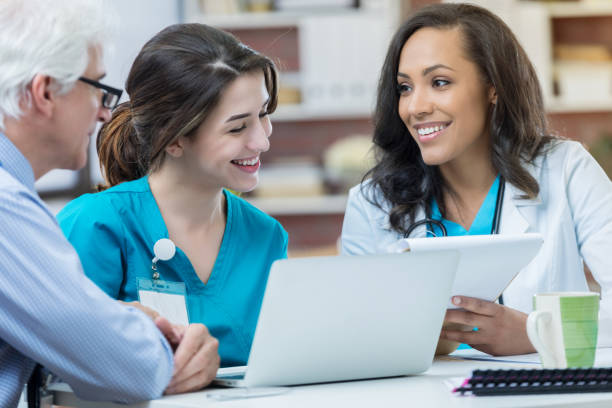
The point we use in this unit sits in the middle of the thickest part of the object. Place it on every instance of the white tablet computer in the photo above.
(487, 263)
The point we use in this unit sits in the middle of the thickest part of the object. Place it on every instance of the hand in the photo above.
(147, 310)
(196, 357)
(172, 332)
(501, 330)
(447, 346)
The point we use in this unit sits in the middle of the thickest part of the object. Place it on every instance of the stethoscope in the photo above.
(494, 229)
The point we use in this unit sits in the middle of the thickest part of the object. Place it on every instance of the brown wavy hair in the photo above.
(517, 122)
(174, 83)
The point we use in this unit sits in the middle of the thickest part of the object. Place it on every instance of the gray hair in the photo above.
(46, 37)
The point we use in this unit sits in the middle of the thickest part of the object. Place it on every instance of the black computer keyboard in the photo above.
(537, 381)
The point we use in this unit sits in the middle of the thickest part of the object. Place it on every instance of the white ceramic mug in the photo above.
(563, 328)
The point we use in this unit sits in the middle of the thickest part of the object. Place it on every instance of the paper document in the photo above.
(473, 354)
(603, 357)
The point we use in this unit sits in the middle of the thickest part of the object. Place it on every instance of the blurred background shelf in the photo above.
(265, 20)
(587, 8)
(558, 106)
(286, 206)
(329, 59)
(297, 113)
(245, 20)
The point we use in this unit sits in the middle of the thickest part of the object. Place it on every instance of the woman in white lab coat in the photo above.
(460, 116)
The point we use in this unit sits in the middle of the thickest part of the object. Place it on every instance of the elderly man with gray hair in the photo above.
(51, 62)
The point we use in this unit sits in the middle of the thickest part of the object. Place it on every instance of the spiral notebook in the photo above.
(537, 381)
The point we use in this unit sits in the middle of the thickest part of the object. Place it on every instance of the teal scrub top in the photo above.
(114, 232)
(482, 224)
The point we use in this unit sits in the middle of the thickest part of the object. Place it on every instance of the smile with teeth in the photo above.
(250, 162)
(429, 130)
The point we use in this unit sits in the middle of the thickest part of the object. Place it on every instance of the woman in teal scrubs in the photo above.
(194, 128)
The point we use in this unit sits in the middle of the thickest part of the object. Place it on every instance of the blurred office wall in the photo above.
(139, 20)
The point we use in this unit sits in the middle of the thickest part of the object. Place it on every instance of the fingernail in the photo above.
(456, 300)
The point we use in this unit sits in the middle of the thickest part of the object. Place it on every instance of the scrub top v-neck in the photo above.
(114, 232)
(483, 222)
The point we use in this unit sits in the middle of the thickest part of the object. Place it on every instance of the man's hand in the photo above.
(147, 310)
(501, 330)
(196, 357)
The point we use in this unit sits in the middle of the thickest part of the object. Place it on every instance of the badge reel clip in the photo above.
(165, 297)
(164, 250)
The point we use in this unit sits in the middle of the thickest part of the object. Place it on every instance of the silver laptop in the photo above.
(348, 317)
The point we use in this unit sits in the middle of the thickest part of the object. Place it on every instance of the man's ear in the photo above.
(492, 95)
(175, 149)
(42, 95)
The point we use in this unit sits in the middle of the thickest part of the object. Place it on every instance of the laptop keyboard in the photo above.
(239, 376)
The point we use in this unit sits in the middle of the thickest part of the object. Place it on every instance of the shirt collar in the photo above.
(14, 162)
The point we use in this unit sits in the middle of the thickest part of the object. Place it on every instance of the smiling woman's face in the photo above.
(225, 151)
(443, 99)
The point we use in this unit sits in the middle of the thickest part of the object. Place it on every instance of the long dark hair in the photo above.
(174, 84)
(517, 124)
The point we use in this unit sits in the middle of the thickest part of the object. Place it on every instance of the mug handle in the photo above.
(533, 334)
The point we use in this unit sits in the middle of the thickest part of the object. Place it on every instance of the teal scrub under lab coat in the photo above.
(483, 222)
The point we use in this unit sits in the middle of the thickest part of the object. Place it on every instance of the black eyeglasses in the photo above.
(110, 95)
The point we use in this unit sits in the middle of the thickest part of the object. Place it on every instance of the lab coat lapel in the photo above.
(419, 232)
(518, 214)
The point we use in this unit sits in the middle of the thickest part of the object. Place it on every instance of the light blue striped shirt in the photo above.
(52, 314)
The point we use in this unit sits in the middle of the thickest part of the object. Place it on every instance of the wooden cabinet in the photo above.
(586, 117)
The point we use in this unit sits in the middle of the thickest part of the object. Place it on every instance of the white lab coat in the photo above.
(573, 212)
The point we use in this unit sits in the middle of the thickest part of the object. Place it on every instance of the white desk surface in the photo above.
(428, 390)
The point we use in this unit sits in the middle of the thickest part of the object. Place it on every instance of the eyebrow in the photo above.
(236, 117)
(426, 70)
(245, 115)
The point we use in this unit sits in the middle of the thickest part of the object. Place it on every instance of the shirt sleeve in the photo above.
(589, 193)
(54, 315)
(94, 229)
(357, 233)
(284, 238)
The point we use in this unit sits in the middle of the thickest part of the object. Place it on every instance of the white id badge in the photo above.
(166, 298)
